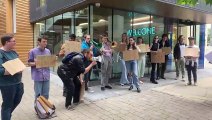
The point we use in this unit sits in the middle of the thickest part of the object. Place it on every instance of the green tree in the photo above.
(192, 2)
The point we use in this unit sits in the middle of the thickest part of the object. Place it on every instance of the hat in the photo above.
(191, 38)
(72, 36)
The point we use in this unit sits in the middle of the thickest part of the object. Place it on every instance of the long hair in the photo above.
(133, 45)
(122, 38)
(179, 38)
(154, 39)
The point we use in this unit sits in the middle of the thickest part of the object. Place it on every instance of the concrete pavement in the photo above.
(169, 100)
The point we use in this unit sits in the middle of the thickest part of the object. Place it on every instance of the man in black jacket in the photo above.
(164, 43)
(179, 57)
(69, 72)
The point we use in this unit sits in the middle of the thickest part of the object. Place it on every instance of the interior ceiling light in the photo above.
(141, 23)
(102, 20)
(146, 18)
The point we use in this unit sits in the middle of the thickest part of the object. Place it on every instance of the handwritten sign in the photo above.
(72, 46)
(45, 61)
(130, 55)
(194, 52)
(167, 50)
(14, 66)
(119, 47)
(157, 57)
(144, 48)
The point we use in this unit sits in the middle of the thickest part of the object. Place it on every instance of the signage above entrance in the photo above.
(141, 31)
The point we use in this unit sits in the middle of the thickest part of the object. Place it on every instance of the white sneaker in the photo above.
(195, 84)
(183, 79)
(90, 90)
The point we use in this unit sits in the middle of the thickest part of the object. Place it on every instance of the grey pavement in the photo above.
(169, 100)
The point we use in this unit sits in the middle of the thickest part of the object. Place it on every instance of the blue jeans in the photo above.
(123, 79)
(132, 70)
(42, 88)
(11, 96)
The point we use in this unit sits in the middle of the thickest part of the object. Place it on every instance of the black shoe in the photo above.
(131, 87)
(102, 88)
(138, 90)
(64, 94)
(154, 82)
(163, 78)
(108, 87)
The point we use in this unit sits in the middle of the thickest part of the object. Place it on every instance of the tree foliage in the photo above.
(192, 2)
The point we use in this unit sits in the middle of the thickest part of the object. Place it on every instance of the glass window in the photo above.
(141, 27)
(68, 25)
(39, 30)
(157, 27)
(121, 24)
(81, 23)
(50, 34)
(42, 3)
(101, 23)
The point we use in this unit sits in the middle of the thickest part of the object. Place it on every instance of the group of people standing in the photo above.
(75, 68)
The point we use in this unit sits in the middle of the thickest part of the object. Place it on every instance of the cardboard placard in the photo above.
(157, 57)
(14, 66)
(167, 50)
(82, 91)
(130, 55)
(194, 52)
(45, 61)
(144, 48)
(209, 56)
(72, 46)
(120, 47)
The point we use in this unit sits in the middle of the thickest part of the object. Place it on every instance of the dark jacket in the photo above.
(155, 47)
(177, 53)
(74, 67)
(165, 45)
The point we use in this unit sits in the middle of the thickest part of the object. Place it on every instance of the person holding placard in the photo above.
(155, 47)
(191, 62)
(70, 70)
(41, 76)
(11, 87)
(72, 37)
(123, 80)
(179, 57)
(132, 67)
(141, 60)
(106, 64)
(164, 43)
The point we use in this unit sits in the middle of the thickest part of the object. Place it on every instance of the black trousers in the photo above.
(163, 67)
(192, 69)
(87, 76)
(152, 78)
(73, 85)
(11, 96)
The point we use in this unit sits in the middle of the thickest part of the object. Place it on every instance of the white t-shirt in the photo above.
(182, 50)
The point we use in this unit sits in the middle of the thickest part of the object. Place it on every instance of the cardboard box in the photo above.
(45, 61)
(193, 52)
(167, 50)
(157, 57)
(144, 48)
(14, 66)
(119, 47)
(130, 55)
(72, 46)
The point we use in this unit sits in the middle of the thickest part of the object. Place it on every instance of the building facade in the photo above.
(138, 18)
(15, 19)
